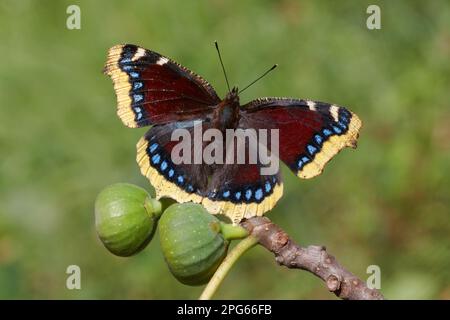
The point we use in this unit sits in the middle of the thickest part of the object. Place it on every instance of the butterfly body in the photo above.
(154, 90)
(226, 113)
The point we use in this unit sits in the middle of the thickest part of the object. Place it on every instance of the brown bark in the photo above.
(314, 259)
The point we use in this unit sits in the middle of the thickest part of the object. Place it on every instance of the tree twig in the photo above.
(314, 259)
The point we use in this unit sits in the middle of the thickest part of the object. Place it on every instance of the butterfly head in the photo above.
(233, 96)
(226, 114)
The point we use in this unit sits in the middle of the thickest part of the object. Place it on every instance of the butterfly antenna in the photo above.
(221, 63)
(259, 78)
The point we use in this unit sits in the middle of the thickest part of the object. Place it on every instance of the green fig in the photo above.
(125, 218)
(192, 242)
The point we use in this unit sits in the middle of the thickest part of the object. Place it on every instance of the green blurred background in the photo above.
(385, 203)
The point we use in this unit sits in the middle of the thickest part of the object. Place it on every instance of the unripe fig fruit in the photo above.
(192, 242)
(125, 218)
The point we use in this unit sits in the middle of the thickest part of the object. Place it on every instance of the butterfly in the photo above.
(153, 90)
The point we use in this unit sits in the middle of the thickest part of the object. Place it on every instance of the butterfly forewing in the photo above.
(152, 89)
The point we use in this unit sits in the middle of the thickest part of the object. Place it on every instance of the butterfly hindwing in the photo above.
(182, 182)
(152, 89)
(235, 190)
(310, 132)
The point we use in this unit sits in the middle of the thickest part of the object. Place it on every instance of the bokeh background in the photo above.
(386, 203)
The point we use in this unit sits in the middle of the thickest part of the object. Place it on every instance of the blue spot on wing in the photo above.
(137, 85)
(180, 179)
(156, 158)
(258, 194)
(138, 97)
(318, 138)
(171, 173)
(342, 125)
(344, 119)
(337, 129)
(134, 74)
(268, 187)
(327, 132)
(248, 194)
(237, 195)
(226, 194)
(190, 188)
(311, 149)
(163, 165)
(153, 147)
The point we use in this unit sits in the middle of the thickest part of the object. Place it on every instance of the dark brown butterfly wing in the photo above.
(152, 89)
(311, 133)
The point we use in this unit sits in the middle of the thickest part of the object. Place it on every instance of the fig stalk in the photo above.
(232, 232)
(226, 265)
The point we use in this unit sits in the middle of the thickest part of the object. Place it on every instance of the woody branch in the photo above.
(314, 259)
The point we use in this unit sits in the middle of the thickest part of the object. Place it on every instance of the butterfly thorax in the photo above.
(226, 114)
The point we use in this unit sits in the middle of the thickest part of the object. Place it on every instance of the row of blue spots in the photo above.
(138, 110)
(136, 86)
(337, 128)
(164, 165)
(137, 98)
(249, 194)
